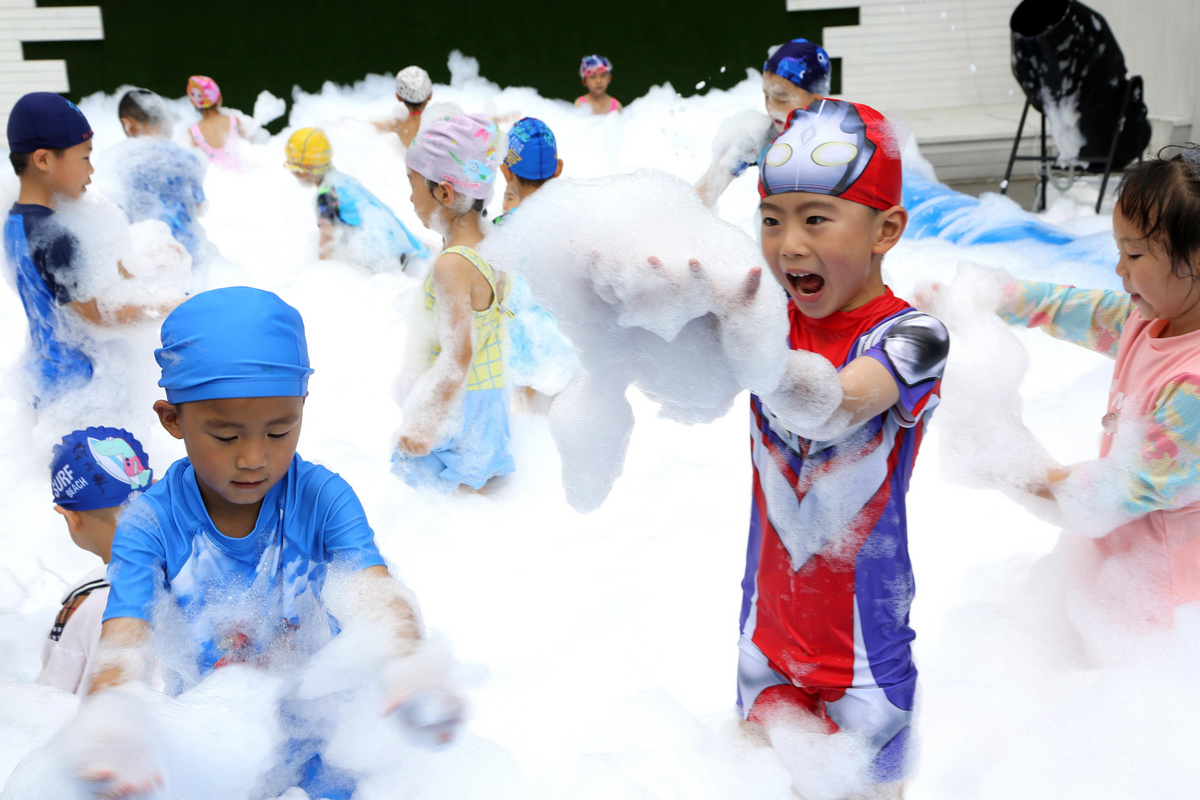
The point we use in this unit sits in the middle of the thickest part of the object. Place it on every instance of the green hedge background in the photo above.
(275, 45)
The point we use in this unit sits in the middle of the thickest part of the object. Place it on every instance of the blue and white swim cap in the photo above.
(98, 468)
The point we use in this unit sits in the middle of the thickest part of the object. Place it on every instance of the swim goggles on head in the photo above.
(594, 65)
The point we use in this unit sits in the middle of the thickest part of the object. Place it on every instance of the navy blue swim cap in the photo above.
(46, 121)
(98, 468)
(233, 342)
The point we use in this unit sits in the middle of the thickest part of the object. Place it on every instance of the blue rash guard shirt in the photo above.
(42, 255)
(255, 599)
(342, 200)
(165, 182)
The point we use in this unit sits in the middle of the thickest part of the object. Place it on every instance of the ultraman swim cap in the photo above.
(838, 148)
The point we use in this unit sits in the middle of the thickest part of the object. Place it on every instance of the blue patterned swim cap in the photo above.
(803, 63)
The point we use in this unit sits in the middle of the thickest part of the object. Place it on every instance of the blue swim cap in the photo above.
(46, 121)
(803, 63)
(98, 468)
(532, 150)
(233, 342)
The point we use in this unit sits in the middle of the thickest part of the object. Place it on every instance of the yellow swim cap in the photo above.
(309, 151)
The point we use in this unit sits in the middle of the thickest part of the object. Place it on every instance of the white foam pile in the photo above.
(653, 291)
(598, 650)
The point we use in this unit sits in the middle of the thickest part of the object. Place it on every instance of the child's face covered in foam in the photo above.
(239, 447)
(781, 96)
(821, 249)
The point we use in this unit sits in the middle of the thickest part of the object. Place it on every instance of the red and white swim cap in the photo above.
(838, 148)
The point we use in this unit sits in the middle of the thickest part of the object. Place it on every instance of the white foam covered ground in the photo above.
(599, 650)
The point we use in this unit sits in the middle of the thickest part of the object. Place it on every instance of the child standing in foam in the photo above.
(93, 473)
(828, 581)
(160, 179)
(455, 428)
(1145, 481)
(595, 72)
(794, 76)
(51, 145)
(540, 359)
(414, 89)
(216, 133)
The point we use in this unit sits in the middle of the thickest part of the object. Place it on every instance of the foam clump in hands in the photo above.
(982, 384)
(985, 443)
(414, 676)
(655, 291)
(130, 741)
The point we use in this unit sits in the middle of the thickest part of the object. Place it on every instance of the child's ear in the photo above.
(41, 160)
(558, 171)
(168, 417)
(889, 228)
(508, 176)
(445, 193)
(74, 518)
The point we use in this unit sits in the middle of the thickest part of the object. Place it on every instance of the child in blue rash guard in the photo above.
(93, 472)
(354, 224)
(794, 75)
(50, 143)
(159, 179)
(230, 551)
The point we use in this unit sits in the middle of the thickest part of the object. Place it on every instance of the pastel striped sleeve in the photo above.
(1090, 318)
(1169, 459)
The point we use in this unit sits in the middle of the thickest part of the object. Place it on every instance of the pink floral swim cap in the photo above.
(203, 91)
(463, 149)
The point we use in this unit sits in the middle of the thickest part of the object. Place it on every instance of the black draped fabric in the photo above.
(1063, 50)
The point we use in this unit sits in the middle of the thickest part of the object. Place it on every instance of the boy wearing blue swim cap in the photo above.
(92, 474)
(231, 549)
(50, 143)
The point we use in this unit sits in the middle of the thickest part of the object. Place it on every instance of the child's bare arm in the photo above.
(375, 595)
(121, 315)
(868, 390)
(452, 277)
(123, 654)
(325, 245)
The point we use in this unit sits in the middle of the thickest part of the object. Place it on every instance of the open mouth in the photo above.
(806, 284)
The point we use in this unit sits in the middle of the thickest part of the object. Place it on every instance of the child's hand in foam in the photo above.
(416, 693)
(432, 716)
(111, 745)
(975, 290)
(415, 442)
